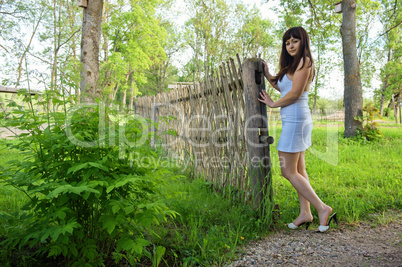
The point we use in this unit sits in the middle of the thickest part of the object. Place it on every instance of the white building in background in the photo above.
(179, 84)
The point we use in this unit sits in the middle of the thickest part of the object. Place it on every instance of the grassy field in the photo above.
(11, 199)
(355, 178)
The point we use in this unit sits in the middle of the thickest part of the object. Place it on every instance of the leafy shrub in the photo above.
(91, 178)
(370, 131)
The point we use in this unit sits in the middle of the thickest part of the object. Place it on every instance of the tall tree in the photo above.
(19, 27)
(252, 34)
(90, 43)
(366, 20)
(207, 33)
(136, 39)
(322, 26)
(353, 95)
(71, 64)
(391, 19)
(162, 71)
(59, 40)
(44, 35)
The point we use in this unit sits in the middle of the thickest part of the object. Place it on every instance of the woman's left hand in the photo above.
(266, 99)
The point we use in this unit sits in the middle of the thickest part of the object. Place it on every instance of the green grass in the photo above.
(208, 229)
(11, 199)
(6, 154)
(355, 179)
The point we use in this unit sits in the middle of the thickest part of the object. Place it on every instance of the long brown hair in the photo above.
(289, 64)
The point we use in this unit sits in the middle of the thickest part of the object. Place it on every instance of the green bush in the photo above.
(91, 178)
(370, 131)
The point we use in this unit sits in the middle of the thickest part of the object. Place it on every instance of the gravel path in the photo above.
(366, 244)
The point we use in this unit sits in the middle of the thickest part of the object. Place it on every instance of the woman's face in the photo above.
(292, 46)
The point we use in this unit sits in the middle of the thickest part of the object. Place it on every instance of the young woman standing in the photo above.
(293, 82)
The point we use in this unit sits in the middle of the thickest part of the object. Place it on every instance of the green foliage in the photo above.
(162, 72)
(217, 30)
(136, 38)
(370, 131)
(324, 105)
(90, 200)
(253, 34)
(391, 18)
(209, 227)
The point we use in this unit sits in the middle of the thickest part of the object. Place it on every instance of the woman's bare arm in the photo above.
(269, 76)
(300, 79)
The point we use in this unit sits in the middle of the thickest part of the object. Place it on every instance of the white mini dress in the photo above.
(296, 121)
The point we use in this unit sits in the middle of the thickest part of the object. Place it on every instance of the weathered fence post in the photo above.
(256, 131)
(155, 120)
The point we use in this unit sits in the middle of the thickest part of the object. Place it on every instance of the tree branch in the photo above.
(316, 20)
(390, 29)
(67, 40)
(41, 59)
(12, 14)
(4, 48)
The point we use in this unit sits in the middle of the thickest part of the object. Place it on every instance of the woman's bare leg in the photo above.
(305, 211)
(289, 168)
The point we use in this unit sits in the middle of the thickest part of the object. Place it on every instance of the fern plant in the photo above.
(91, 185)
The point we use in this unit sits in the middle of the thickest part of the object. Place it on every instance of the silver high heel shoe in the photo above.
(294, 226)
(324, 228)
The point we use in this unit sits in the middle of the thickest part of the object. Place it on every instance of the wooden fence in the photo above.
(13, 92)
(205, 122)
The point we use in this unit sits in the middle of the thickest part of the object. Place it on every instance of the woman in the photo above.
(293, 81)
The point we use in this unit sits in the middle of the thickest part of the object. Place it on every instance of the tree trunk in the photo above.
(56, 45)
(163, 76)
(123, 101)
(400, 107)
(105, 45)
(114, 92)
(131, 92)
(91, 33)
(394, 104)
(353, 96)
(384, 87)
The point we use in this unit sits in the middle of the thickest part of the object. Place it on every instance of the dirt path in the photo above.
(376, 242)
(7, 134)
